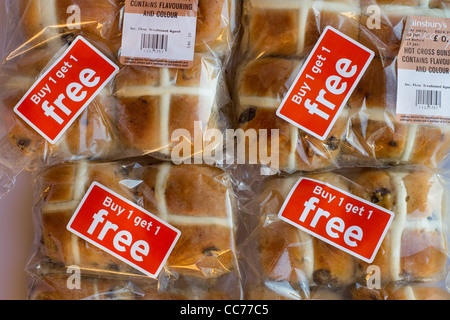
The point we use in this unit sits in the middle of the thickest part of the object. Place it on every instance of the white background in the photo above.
(16, 227)
(178, 48)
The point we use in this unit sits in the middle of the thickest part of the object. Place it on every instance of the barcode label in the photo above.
(159, 40)
(155, 41)
(428, 97)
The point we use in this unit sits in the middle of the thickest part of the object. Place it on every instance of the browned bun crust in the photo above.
(272, 29)
(155, 102)
(63, 187)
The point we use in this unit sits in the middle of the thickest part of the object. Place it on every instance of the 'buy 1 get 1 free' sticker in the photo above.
(341, 219)
(64, 91)
(124, 230)
(325, 83)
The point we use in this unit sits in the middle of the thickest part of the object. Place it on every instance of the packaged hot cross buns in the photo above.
(48, 117)
(276, 40)
(48, 19)
(39, 33)
(415, 246)
(166, 109)
(40, 21)
(142, 110)
(304, 257)
(177, 222)
(375, 130)
(59, 191)
(375, 136)
(91, 135)
(291, 28)
(282, 261)
(198, 201)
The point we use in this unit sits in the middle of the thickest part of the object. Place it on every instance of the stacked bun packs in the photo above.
(233, 243)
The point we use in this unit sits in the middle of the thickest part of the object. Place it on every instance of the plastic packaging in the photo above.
(197, 200)
(110, 128)
(277, 38)
(280, 261)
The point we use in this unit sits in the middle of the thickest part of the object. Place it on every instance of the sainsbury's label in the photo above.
(325, 83)
(339, 218)
(124, 230)
(64, 91)
(423, 62)
(159, 33)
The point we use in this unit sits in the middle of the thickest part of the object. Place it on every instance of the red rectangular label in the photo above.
(343, 220)
(123, 229)
(59, 96)
(325, 83)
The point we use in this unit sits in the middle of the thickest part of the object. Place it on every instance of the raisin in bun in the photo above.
(289, 28)
(197, 200)
(286, 261)
(59, 192)
(155, 102)
(375, 136)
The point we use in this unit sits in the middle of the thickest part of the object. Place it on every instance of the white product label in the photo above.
(423, 93)
(159, 33)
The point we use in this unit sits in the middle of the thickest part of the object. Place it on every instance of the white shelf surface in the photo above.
(16, 238)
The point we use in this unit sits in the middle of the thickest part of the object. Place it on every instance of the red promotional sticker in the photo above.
(343, 220)
(325, 83)
(60, 95)
(124, 230)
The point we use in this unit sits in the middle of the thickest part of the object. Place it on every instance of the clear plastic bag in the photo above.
(197, 200)
(280, 261)
(277, 38)
(233, 245)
